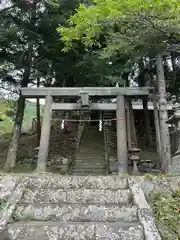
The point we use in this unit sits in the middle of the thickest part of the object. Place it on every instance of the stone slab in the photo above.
(175, 167)
(76, 173)
(113, 166)
(89, 164)
(80, 196)
(89, 182)
(145, 213)
(81, 213)
(9, 205)
(75, 231)
(90, 170)
(7, 185)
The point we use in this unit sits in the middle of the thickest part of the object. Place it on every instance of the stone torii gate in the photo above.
(84, 93)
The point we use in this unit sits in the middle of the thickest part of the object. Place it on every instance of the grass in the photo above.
(7, 124)
(166, 207)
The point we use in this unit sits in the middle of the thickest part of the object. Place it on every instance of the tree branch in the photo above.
(145, 17)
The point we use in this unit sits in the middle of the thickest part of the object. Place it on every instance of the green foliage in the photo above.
(8, 113)
(2, 204)
(128, 25)
(166, 207)
(6, 124)
(29, 114)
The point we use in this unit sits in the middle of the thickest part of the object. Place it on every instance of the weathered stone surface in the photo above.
(80, 196)
(10, 205)
(145, 214)
(113, 166)
(112, 159)
(89, 171)
(4, 235)
(67, 212)
(106, 182)
(115, 231)
(175, 168)
(73, 231)
(7, 185)
(86, 165)
(68, 207)
(61, 161)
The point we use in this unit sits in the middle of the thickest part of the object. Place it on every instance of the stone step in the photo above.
(89, 170)
(93, 148)
(75, 212)
(72, 231)
(90, 166)
(77, 196)
(97, 150)
(90, 157)
(94, 157)
(66, 182)
(90, 161)
(88, 174)
(93, 165)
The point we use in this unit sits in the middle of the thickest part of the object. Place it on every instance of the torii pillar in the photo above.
(45, 136)
(122, 154)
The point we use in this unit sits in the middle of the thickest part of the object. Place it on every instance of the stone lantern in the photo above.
(134, 157)
(174, 120)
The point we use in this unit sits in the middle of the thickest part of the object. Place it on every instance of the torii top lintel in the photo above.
(91, 91)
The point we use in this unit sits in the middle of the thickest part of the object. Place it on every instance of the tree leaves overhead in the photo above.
(78, 67)
(105, 39)
(129, 25)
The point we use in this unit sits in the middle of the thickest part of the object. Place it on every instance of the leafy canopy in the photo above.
(129, 25)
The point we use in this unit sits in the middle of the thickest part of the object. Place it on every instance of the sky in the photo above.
(4, 3)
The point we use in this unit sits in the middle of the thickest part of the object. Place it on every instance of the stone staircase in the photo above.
(113, 132)
(82, 208)
(90, 156)
(53, 207)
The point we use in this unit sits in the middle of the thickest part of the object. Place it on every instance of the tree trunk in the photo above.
(157, 128)
(38, 115)
(164, 130)
(12, 151)
(148, 134)
(13, 147)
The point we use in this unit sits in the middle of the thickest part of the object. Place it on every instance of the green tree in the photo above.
(133, 28)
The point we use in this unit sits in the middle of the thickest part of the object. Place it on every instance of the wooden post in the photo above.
(121, 136)
(45, 135)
